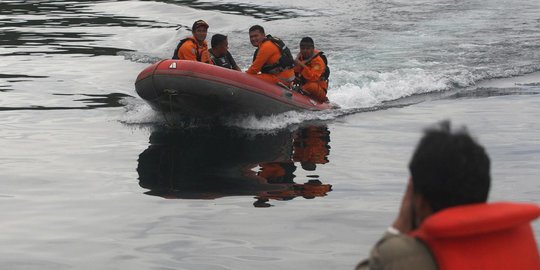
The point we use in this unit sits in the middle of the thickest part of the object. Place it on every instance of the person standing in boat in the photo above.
(272, 61)
(194, 48)
(311, 71)
(219, 53)
(445, 222)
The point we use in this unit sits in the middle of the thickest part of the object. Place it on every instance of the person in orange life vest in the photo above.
(310, 70)
(219, 53)
(266, 57)
(194, 48)
(444, 221)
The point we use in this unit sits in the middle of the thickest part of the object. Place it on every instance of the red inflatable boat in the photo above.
(201, 90)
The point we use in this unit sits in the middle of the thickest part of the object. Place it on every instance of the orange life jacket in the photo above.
(482, 236)
(320, 74)
(285, 60)
(273, 61)
(194, 52)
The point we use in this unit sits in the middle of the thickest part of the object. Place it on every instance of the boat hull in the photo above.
(200, 90)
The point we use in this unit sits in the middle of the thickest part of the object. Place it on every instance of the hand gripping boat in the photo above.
(201, 90)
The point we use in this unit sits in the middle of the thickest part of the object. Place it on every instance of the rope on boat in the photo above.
(170, 93)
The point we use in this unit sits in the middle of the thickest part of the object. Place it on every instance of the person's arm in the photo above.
(396, 250)
(205, 54)
(403, 222)
(298, 63)
(233, 63)
(314, 71)
(188, 51)
(266, 50)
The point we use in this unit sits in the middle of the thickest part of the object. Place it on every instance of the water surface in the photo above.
(92, 178)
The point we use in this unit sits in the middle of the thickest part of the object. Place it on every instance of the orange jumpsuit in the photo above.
(269, 54)
(190, 49)
(312, 82)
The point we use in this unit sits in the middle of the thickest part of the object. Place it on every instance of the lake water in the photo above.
(92, 178)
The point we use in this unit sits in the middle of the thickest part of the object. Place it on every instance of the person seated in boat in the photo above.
(272, 60)
(311, 71)
(194, 48)
(219, 53)
(444, 221)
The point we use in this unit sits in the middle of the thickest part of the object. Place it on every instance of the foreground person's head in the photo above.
(448, 169)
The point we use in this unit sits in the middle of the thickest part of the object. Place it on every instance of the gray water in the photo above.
(92, 178)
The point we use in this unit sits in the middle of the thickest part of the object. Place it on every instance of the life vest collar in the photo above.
(315, 54)
(474, 219)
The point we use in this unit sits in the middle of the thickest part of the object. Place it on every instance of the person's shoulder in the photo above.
(400, 252)
(189, 42)
(268, 45)
(399, 245)
(318, 61)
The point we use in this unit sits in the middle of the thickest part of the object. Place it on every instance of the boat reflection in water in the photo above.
(211, 163)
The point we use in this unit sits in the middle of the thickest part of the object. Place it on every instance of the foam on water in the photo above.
(138, 112)
(280, 121)
(373, 88)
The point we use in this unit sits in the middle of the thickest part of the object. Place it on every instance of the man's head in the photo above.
(219, 44)
(307, 47)
(256, 35)
(449, 169)
(199, 30)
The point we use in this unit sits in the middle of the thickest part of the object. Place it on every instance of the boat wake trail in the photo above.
(139, 57)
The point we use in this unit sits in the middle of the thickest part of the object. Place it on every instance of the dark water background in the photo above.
(91, 178)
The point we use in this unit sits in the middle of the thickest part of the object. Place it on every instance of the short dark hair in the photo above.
(307, 41)
(217, 39)
(450, 169)
(257, 28)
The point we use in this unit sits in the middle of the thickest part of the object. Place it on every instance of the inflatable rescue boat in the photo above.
(200, 90)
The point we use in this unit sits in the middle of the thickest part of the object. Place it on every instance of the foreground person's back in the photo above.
(482, 236)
